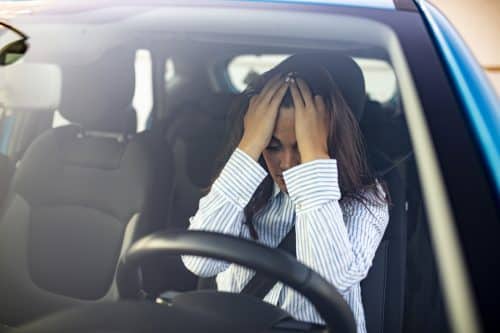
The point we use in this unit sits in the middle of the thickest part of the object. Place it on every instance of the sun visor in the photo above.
(30, 87)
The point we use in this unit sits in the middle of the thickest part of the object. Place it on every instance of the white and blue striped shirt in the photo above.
(336, 239)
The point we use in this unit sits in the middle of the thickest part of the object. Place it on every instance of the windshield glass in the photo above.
(163, 76)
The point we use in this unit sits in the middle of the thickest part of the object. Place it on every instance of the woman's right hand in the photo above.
(261, 117)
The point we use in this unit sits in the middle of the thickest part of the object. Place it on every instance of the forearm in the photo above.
(323, 245)
(338, 245)
(215, 214)
(221, 210)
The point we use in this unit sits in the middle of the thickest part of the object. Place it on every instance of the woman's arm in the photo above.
(221, 210)
(339, 247)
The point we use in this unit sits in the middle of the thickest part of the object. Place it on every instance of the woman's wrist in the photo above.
(250, 149)
(314, 155)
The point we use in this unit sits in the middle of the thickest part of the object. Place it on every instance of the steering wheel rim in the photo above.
(272, 262)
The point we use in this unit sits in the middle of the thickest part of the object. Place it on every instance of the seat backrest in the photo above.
(193, 133)
(196, 136)
(30, 92)
(77, 198)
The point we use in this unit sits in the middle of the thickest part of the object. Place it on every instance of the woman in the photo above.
(295, 158)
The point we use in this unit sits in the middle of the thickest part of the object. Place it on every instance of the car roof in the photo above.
(63, 7)
(381, 4)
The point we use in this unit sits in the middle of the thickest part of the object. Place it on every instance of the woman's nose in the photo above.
(288, 160)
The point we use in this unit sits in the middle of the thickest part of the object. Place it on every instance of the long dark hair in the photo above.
(345, 142)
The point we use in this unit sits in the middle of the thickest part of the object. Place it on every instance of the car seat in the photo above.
(78, 198)
(193, 146)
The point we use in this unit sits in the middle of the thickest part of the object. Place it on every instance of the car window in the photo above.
(143, 95)
(58, 120)
(169, 70)
(242, 69)
(6, 120)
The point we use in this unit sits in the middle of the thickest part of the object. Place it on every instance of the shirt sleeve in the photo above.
(221, 210)
(338, 245)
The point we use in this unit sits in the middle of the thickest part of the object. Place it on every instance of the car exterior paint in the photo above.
(380, 4)
(482, 106)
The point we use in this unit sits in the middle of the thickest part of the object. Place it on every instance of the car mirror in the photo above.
(12, 52)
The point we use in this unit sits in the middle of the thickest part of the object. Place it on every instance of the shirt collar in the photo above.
(276, 189)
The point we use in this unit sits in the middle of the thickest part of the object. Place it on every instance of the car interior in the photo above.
(75, 197)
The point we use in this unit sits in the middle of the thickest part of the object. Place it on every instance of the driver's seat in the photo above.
(383, 288)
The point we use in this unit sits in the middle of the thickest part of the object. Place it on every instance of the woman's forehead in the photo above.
(284, 129)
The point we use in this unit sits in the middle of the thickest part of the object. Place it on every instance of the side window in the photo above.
(58, 120)
(6, 122)
(143, 95)
(242, 69)
(380, 80)
(169, 70)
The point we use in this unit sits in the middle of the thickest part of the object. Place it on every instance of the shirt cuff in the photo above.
(240, 178)
(312, 184)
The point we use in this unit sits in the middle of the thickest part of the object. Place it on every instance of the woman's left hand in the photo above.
(311, 122)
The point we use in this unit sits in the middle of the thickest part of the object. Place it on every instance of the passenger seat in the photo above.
(388, 147)
(78, 198)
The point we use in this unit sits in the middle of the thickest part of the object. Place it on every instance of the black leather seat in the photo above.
(388, 148)
(193, 134)
(196, 136)
(78, 198)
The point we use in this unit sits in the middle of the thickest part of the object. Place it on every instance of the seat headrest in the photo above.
(200, 125)
(30, 87)
(98, 96)
(344, 71)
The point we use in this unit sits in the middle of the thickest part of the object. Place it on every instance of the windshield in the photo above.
(128, 111)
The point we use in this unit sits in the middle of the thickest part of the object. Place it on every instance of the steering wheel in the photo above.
(197, 309)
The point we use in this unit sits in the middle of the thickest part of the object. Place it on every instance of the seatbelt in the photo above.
(261, 284)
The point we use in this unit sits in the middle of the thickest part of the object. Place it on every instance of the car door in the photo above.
(461, 111)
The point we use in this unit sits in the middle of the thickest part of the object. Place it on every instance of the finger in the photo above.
(273, 89)
(322, 109)
(305, 92)
(297, 98)
(268, 85)
(253, 100)
(278, 96)
(320, 104)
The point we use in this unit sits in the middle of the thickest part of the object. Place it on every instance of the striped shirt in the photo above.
(337, 239)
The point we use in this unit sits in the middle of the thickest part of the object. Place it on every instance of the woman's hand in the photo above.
(311, 122)
(261, 117)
